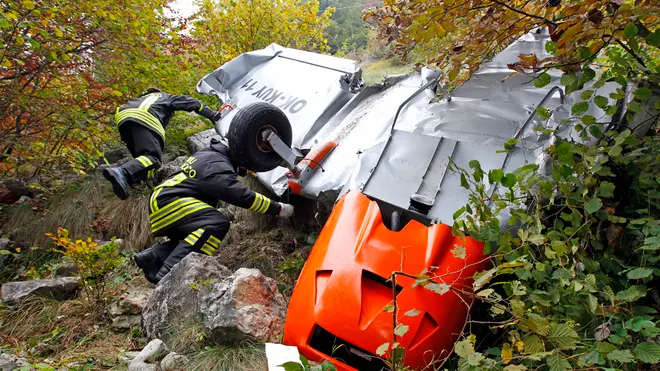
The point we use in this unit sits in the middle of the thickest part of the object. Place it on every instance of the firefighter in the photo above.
(183, 208)
(142, 123)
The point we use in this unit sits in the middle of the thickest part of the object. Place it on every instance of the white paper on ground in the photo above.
(278, 354)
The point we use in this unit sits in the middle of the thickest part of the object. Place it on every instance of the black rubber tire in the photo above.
(244, 131)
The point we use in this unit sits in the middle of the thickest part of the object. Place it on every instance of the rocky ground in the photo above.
(209, 313)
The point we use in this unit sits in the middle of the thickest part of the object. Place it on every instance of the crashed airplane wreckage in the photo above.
(382, 153)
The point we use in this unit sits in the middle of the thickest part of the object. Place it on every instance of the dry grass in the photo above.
(86, 209)
(61, 332)
(246, 357)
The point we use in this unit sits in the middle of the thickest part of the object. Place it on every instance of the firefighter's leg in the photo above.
(151, 260)
(203, 232)
(146, 148)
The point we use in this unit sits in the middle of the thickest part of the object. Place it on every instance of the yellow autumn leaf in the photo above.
(520, 345)
(507, 353)
(29, 5)
(6, 63)
(58, 32)
(117, 93)
(44, 22)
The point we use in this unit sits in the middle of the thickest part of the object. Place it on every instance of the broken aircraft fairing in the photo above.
(394, 163)
(308, 87)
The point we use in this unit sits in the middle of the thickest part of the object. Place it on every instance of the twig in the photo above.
(524, 13)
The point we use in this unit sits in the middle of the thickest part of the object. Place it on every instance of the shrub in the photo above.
(94, 261)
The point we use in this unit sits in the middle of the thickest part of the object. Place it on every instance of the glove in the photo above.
(286, 212)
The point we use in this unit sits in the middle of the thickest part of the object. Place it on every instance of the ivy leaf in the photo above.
(556, 362)
(542, 80)
(568, 79)
(648, 352)
(643, 93)
(593, 205)
(606, 189)
(580, 109)
(623, 356)
(563, 336)
(639, 273)
(382, 349)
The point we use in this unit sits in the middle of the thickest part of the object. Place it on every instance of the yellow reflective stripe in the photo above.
(257, 202)
(214, 241)
(206, 251)
(143, 116)
(201, 107)
(178, 205)
(178, 216)
(265, 205)
(170, 206)
(151, 173)
(191, 239)
(145, 161)
(154, 200)
(168, 183)
(151, 98)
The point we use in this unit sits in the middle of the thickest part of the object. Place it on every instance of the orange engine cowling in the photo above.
(337, 308)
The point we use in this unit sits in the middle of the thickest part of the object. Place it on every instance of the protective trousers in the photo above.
(201, 231)
(146, 147)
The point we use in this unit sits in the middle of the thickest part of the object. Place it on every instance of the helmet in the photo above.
(150, 90)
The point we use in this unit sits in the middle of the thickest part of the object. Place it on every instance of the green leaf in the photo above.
(509, 180)
(648, 352)
(495, 175)
(592, 301)
(639, 273)
(643, 93)
(292, 366)
(439, 288)
(588, 74)
(533, 344)
(464, 181)
(382, 349)
(510, 143)
(543, 113)
(601, 101)
(605, 347)
(304, 362)
(596, 131)
(606, 189)
(654, 38)
(401, 329)
(5, 252)
(588, 119)
(542, 80)
(593, 205)
(586, 94)
(535, 323)
(551, 47)
(623, 356)
(631, 294)
(635, 107)
(557, 362)
(563, 336)
(464, 348)
(630, 31)
(568, 79)
(593, 358)
(328, 366)
(458, 213)
(580, 109)
(412, 313)
(29, 5)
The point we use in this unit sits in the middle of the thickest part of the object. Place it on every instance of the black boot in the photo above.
(119, 181)
(176, 256)
(150, 263)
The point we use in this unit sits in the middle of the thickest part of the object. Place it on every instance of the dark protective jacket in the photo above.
(206, 176)
(155, 110)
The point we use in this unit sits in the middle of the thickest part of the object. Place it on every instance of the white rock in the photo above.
(174, 361)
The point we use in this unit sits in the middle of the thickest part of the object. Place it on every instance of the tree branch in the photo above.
(632, 53)
(524, 13)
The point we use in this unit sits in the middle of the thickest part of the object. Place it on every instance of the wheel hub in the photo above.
(262, 134)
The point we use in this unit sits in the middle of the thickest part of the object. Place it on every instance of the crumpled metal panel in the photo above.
(308, 87)
(483, 113)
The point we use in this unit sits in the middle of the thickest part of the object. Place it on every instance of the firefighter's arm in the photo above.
(224, 186)
(190, 104)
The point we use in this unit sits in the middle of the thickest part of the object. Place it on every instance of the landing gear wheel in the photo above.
(246, 136)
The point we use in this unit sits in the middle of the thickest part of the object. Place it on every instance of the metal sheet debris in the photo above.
(482, 114)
